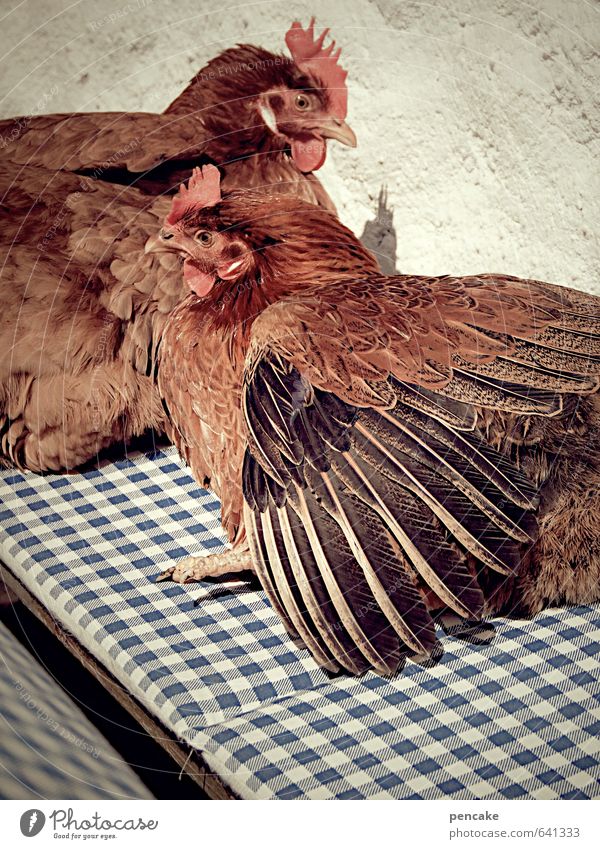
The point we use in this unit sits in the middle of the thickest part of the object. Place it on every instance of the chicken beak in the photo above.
(334, 128)
(156, 245)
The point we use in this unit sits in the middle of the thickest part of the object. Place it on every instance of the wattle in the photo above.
(199, 281)
(309, 153)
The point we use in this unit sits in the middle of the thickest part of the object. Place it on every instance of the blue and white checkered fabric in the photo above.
(48, 748)
(518, 717)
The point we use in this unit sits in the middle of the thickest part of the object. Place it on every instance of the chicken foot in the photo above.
(192, 569)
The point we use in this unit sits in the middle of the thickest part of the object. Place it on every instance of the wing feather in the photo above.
(314, 593)
(276, 542)
(426, 547)
(365, 405)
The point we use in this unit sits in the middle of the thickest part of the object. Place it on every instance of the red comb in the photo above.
(202, 190)
(311, 57)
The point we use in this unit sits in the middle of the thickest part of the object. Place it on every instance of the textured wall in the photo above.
(479, 116)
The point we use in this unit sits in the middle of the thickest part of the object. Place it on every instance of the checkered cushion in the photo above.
(517, 716)
(48, 748)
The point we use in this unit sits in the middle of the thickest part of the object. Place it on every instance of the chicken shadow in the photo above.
(476, 632)
(379, 235)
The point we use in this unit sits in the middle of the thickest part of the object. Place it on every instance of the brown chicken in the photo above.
(262, 116)
(82, 306)
(385, 446)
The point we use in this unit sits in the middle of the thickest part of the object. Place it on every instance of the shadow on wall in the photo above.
(379, 235)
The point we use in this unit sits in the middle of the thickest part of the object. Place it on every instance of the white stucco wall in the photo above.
(480, 116)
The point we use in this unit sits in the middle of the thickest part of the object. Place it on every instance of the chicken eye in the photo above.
(302, 102)
(204, 238)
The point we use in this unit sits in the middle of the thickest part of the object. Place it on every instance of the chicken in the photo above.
(83, 306)
(264, 117)
(382, 447)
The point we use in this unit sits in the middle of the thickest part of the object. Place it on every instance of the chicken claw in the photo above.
(192, 569)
